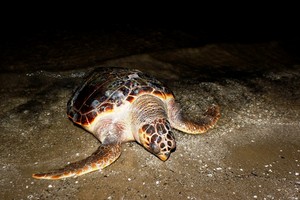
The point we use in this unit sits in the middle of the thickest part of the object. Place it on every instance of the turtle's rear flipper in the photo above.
(104, 156)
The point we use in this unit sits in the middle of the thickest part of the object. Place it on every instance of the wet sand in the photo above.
(252, 153)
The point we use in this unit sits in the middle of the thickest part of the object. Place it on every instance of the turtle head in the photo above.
(157, 137)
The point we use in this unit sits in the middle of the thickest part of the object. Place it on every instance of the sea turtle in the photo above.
(119, 105)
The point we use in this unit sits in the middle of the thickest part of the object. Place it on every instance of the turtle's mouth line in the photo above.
(163, 157)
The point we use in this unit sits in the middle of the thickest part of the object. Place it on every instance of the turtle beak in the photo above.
(164, 156)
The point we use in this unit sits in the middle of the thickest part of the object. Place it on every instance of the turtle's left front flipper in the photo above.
(104, 156)
(207, 121)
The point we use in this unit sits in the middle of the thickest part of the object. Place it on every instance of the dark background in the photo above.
(54, 48)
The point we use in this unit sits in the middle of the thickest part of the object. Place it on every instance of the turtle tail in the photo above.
(104, 156)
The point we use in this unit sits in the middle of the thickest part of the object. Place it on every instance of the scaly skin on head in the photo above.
(151, 127)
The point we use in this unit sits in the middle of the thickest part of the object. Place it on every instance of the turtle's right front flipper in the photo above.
(104, 156)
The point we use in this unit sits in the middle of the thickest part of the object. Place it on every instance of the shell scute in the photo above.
(91, 116)
(84, 120)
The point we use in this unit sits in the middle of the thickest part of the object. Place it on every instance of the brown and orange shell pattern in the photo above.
(108, 88)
